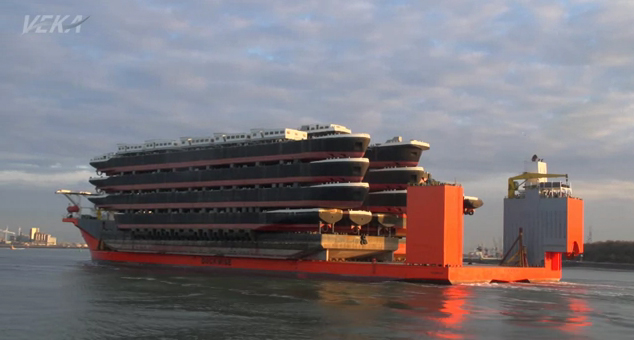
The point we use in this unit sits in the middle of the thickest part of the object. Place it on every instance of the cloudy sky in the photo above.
(487, 84)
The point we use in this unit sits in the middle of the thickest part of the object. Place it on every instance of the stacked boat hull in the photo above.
(347, 146)
(282, 220)
(345, 195)
(258, 193)
(396, 153)
(322, 171)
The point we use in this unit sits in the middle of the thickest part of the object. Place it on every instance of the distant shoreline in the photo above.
(20, 246)
(601, 265)
(467, 262)
(566, 264)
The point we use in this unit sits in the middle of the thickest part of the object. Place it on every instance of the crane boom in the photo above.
(514, 186)
(6, 233)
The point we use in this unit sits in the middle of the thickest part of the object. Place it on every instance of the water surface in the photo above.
(61, 294)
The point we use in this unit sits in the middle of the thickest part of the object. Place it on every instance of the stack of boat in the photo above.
(258, 193)
(393, 166)
(274, 180)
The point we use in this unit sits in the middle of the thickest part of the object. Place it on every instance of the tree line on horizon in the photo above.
(609, 251)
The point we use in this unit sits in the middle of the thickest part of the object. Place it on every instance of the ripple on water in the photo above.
(61, 295)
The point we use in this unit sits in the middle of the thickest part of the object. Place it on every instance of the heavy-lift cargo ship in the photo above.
(317, 200)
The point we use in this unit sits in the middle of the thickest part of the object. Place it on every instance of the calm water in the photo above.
(60, 294)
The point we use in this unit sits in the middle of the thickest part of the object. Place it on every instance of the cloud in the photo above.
(487, 85)
(27, 179)
(608, 190)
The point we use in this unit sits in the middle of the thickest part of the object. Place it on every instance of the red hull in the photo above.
(369, 271)
(433, 252)
(360, 270)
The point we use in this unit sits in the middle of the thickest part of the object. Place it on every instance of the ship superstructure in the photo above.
(543, 210)
(393, 166)
(317, 199)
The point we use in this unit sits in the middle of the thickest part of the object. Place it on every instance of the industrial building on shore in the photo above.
(35, 238)
(41, 239)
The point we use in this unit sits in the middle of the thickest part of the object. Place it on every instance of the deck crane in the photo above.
(514, 186)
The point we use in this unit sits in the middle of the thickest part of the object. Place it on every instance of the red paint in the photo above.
(574, 243)
(400, 253)
(92, 242)
(71, 220)
(376, 271)
(552, 260)
(433, 263)
(262, 181)
(224, 161)
(435, 225)
(285, 204)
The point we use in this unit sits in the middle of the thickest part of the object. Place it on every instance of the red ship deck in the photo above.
(360, 270)
(357, 270)
(433, 251)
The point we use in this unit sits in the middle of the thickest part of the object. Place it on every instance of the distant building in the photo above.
(32, 233)
(43, 239)
(20, 238)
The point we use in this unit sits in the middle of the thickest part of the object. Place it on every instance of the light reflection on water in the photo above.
(60, 294)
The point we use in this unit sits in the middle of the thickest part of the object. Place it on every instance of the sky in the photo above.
(487, 84)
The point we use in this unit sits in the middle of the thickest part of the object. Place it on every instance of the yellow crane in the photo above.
(514, 186)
